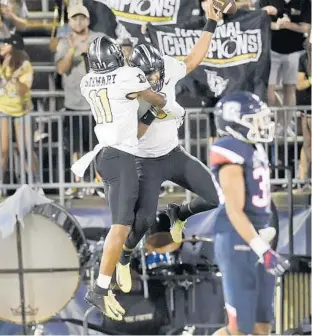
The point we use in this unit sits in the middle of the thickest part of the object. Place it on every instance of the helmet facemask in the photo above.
(259, 126)
(156, 77)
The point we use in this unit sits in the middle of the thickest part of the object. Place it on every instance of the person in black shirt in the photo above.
(292, 20)
(304, 81)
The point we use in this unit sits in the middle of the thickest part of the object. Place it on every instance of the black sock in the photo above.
(184, 212)
(125, 256)
(196, 206)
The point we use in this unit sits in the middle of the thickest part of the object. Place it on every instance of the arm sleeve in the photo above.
(175, 68)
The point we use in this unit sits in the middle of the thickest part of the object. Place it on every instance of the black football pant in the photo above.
(179, 167)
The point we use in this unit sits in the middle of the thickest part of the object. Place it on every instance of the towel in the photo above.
(18, 206)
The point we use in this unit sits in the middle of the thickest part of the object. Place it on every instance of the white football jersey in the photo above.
(162, 135)
(115, 114)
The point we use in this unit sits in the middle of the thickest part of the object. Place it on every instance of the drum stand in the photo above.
(27, 328)
(144, 276)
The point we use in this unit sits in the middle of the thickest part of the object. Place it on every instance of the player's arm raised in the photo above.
(200, 49)
(233, 187)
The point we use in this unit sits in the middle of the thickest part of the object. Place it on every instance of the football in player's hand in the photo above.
(225, 6)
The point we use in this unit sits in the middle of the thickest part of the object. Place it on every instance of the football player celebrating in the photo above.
(246, 261)
(159, 156)
(112, 90)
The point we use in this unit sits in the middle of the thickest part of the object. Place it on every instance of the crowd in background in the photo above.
(80, 22)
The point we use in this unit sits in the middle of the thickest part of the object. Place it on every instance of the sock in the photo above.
(184, 212)
(196, 206)
(103, 281)
(125, 256)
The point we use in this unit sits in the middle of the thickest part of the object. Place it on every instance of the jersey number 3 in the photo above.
(102, 109)
(263, 176)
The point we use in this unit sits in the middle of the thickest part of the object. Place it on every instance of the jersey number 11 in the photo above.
(101, 106)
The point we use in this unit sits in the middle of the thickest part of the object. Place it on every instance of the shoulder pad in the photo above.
(228, 150)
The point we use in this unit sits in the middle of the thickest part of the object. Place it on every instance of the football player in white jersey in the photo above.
(112, 90)
(159, 156)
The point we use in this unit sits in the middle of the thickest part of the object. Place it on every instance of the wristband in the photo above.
(259, 246)
(310, 79)
(210, 26)
(148, 118)
(72, 50)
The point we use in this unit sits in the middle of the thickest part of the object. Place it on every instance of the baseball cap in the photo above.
(15, 40)
(78, 9)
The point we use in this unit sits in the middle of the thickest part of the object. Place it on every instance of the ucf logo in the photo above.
(216, 83)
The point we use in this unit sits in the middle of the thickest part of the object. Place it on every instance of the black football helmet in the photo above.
(104, 55)
(149, 60)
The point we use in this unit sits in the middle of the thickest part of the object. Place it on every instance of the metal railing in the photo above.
(45, 145)
(284, 151)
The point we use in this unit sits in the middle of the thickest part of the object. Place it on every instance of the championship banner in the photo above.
(135, 13)
(238, 57)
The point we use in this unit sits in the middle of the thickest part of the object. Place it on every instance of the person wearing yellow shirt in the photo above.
(16, 76)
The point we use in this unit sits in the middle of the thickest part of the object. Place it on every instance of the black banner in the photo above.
(238, 57)
(135, 13)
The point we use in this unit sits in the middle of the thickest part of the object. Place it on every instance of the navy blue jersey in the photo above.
(254, 161)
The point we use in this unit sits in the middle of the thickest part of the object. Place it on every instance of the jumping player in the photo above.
(112, 90)
(246, 261)
(159, 156)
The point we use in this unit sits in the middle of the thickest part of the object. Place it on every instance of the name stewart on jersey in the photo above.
(100, 80)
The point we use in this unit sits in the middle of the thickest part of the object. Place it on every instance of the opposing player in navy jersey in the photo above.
(247, 262)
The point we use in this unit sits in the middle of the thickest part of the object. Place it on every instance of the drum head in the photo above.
(44, 245)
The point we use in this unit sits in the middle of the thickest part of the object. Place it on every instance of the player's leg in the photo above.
(119, 174)
(265, 312)
(239, 282)
(274, 78)
(290, 71)
(150, 179)
(193, 175)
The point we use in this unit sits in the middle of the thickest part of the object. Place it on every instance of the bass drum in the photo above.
(54, 249)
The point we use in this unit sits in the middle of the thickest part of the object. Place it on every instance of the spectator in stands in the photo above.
(126, 47)
(102, 20)
(13, 14)
(304, 82)
(292, 20)
(70, 63)
(16, 76)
